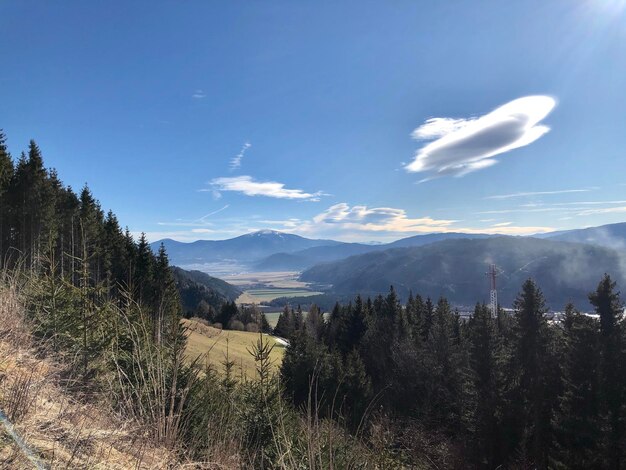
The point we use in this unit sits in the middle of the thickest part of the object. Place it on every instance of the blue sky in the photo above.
(350, 120)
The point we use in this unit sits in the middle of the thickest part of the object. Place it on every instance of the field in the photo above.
(278, 279)
(265, 287)
(255, 296)
(212, 342)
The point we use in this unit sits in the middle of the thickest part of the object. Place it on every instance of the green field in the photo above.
(267, 294)
(211, 343)
(272, 318)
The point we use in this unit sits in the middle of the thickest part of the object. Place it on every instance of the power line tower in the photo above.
(493, 294)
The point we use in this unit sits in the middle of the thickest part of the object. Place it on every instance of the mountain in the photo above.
(456, 269)
(196, 286)
(304, 259)
(420, 240)
(243, 249)
(611, 236)
(318, 254)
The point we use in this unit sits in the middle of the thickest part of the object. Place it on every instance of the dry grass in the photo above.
(61, 431)
(212, 342)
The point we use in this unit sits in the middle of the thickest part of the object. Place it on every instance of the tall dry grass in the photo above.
(153, 410)
(61, 431)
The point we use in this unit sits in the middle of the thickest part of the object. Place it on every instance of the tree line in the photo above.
(510, 391)
(81, 259)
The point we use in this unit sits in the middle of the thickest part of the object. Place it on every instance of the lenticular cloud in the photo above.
(466, 145)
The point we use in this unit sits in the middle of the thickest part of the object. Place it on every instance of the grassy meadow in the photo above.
(212, 342)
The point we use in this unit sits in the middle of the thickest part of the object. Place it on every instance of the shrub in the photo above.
(236, 325)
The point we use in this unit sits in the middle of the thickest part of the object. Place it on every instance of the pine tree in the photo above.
(483, 351)
(535, 392)
(285, 324)
(608, 306)
(167, 308)
(144, 271)
(429, 314)
(578, 423)
(6, 173)
(314, 323)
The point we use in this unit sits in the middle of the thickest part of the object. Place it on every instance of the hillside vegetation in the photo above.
(456, 270)
(43, 406)
(198, 291)
(215, 347)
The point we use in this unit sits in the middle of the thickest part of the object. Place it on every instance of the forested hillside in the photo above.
(199, 291)
(456, 269)
(504, 391)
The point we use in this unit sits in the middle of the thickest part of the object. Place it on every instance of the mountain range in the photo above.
(269, 250)
(242, 250)
(566, 264)
(456, 270)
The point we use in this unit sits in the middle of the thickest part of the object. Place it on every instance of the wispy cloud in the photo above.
(198, 94)
(466, 145)
(577, 208)
(250, 187)
(538, 193)
(235, 162)
(602, 210)
(217, 211)
(199, 222)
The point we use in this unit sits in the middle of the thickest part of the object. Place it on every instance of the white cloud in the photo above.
(235, 162)
(537, 193)
(341, 222)
(378, 219)
(250, 187)
(198, 94)
(466, 145)
(361, 223)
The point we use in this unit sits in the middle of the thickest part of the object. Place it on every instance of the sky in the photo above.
(353, 120)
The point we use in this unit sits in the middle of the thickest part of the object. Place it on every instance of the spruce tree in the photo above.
(607, 303)
(536, 392)
(6, 173)
(578, 422)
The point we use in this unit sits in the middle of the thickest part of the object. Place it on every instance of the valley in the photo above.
(260, 287)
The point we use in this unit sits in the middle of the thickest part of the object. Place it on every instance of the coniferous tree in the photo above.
(483, 352)
(6, 173)
(428, 317)
(535, 393)
(608, 306)
(167, 302)
(314, 323)
(578, 423)
(285, 325)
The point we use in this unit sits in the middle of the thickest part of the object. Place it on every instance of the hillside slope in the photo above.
(456, 269)
(57, 429)
(611, 236)
(309, 257)
(196, 286)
